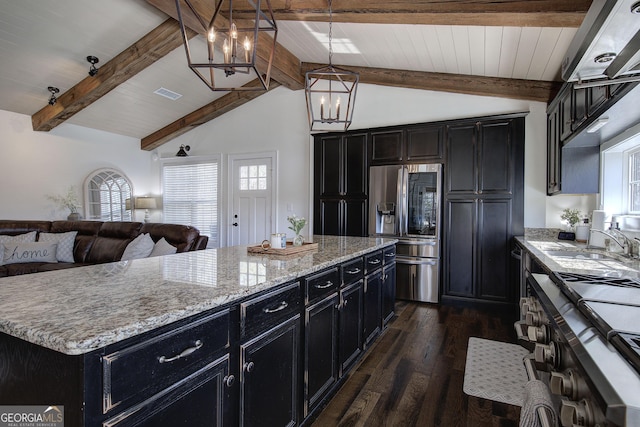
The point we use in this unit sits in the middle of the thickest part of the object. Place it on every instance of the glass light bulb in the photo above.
(247, 43)
(234, 31)
(211, 36)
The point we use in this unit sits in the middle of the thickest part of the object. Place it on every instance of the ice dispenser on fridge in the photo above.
(386, 218)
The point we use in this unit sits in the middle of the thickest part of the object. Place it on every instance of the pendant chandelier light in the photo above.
(331, 93)
(230, 45)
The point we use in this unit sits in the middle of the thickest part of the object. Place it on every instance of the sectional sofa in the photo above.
(38, 246)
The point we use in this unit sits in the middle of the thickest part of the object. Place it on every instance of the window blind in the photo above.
(190, 196)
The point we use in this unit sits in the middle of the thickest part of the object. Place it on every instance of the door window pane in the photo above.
(253, 177)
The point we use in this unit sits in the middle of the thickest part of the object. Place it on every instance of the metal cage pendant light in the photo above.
(230, 45)
(331, 93)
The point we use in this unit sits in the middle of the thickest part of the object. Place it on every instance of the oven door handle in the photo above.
(530, 367)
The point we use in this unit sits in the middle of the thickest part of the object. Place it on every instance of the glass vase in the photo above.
(298, 240)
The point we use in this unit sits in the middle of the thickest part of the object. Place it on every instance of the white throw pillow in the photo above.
(162, 247)
(65, 243)
(29, 252)
(20, 238)
(140, 247)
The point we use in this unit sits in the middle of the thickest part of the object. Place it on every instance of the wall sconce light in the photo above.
(145, 203)
(182, 152)
(93, 60)
(53, 99)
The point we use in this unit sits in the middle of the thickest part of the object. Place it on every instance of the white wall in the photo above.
(274, 121)
(36, 164)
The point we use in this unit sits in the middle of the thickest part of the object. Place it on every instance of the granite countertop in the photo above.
(544, 245)
(78, 310)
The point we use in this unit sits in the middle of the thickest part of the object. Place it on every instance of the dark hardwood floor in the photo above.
(414, 374)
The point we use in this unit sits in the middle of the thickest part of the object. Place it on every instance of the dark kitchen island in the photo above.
(214, 337)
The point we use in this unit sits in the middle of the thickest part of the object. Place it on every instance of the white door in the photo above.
(251, 197)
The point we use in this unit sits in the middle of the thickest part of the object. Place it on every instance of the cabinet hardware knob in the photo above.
(281, 307)
(354, 271)
(248, 367)
(229, 380)
(328, 284)
(184, 353)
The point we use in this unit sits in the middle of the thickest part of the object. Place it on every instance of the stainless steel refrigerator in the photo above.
(404, 202)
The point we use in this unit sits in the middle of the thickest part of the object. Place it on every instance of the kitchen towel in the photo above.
(536, 396)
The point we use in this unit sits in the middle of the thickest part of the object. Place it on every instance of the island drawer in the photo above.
(321, 284)
(352, 271)
(261, 313)
(389, 254)
(139, 371)
(373, 261)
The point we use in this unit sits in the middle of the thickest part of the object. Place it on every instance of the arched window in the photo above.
(107, 194)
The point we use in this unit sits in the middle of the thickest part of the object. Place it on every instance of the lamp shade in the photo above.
(145, 203)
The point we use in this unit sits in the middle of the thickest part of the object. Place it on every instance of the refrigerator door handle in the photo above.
(399, 202)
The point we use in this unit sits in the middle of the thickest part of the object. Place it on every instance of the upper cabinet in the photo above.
(411, 144)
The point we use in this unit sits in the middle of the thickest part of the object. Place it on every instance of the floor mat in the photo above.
(494, 371)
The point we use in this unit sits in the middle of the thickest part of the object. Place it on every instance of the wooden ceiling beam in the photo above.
(531, 90)
(202, 115)
(156, 44)
(518, 13)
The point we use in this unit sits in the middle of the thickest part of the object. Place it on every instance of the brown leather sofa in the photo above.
(98, 242)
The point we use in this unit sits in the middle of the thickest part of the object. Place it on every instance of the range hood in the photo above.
(607, 44)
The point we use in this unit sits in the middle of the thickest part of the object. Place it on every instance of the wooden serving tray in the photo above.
(289, 250)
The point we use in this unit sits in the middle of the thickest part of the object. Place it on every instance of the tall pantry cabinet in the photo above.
(483, 207)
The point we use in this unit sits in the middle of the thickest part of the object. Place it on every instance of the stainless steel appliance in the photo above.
(404, 202)
(586, 341)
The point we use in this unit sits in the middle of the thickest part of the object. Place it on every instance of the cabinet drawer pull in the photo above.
(184, 353)
(281, 307)
(248, 367)
(327, 284)
(389, 255)
(374, 261)
(354, 271)
(229, 380)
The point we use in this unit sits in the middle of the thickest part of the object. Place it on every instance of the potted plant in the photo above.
(571, 217)
(70, 201)
(297, 224)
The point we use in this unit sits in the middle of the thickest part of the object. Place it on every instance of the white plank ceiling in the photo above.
(45, 43)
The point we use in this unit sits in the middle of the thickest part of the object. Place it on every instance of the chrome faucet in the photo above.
(625, 246)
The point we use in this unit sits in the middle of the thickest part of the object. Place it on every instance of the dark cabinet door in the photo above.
(565, 109)
(321, 350)
(495, 169)
(553, 152)
(461, 159)
(372, 307)
(596, 97)
(580, 106)
(328, 166)
(355, 170)
(494, 250)
(388, 292)
(200, 400)
(350, 321)
(269, 377)
(328, 217)
(458, 264)
(354, 217)
(424, 143)
(386, 147)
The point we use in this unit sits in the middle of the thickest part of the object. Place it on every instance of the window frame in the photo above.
(126, 214)
(195, 160)
(628, 173)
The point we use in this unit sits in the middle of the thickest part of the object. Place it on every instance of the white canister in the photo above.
(582, 233)
(278, 241)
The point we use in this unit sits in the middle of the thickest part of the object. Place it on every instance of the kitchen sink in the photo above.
(579, 255)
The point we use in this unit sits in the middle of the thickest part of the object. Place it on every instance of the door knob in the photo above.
(235, 224)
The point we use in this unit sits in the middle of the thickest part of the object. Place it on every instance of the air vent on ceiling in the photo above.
(167, 93)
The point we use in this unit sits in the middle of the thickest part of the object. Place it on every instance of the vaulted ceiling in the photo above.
(497, 48)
